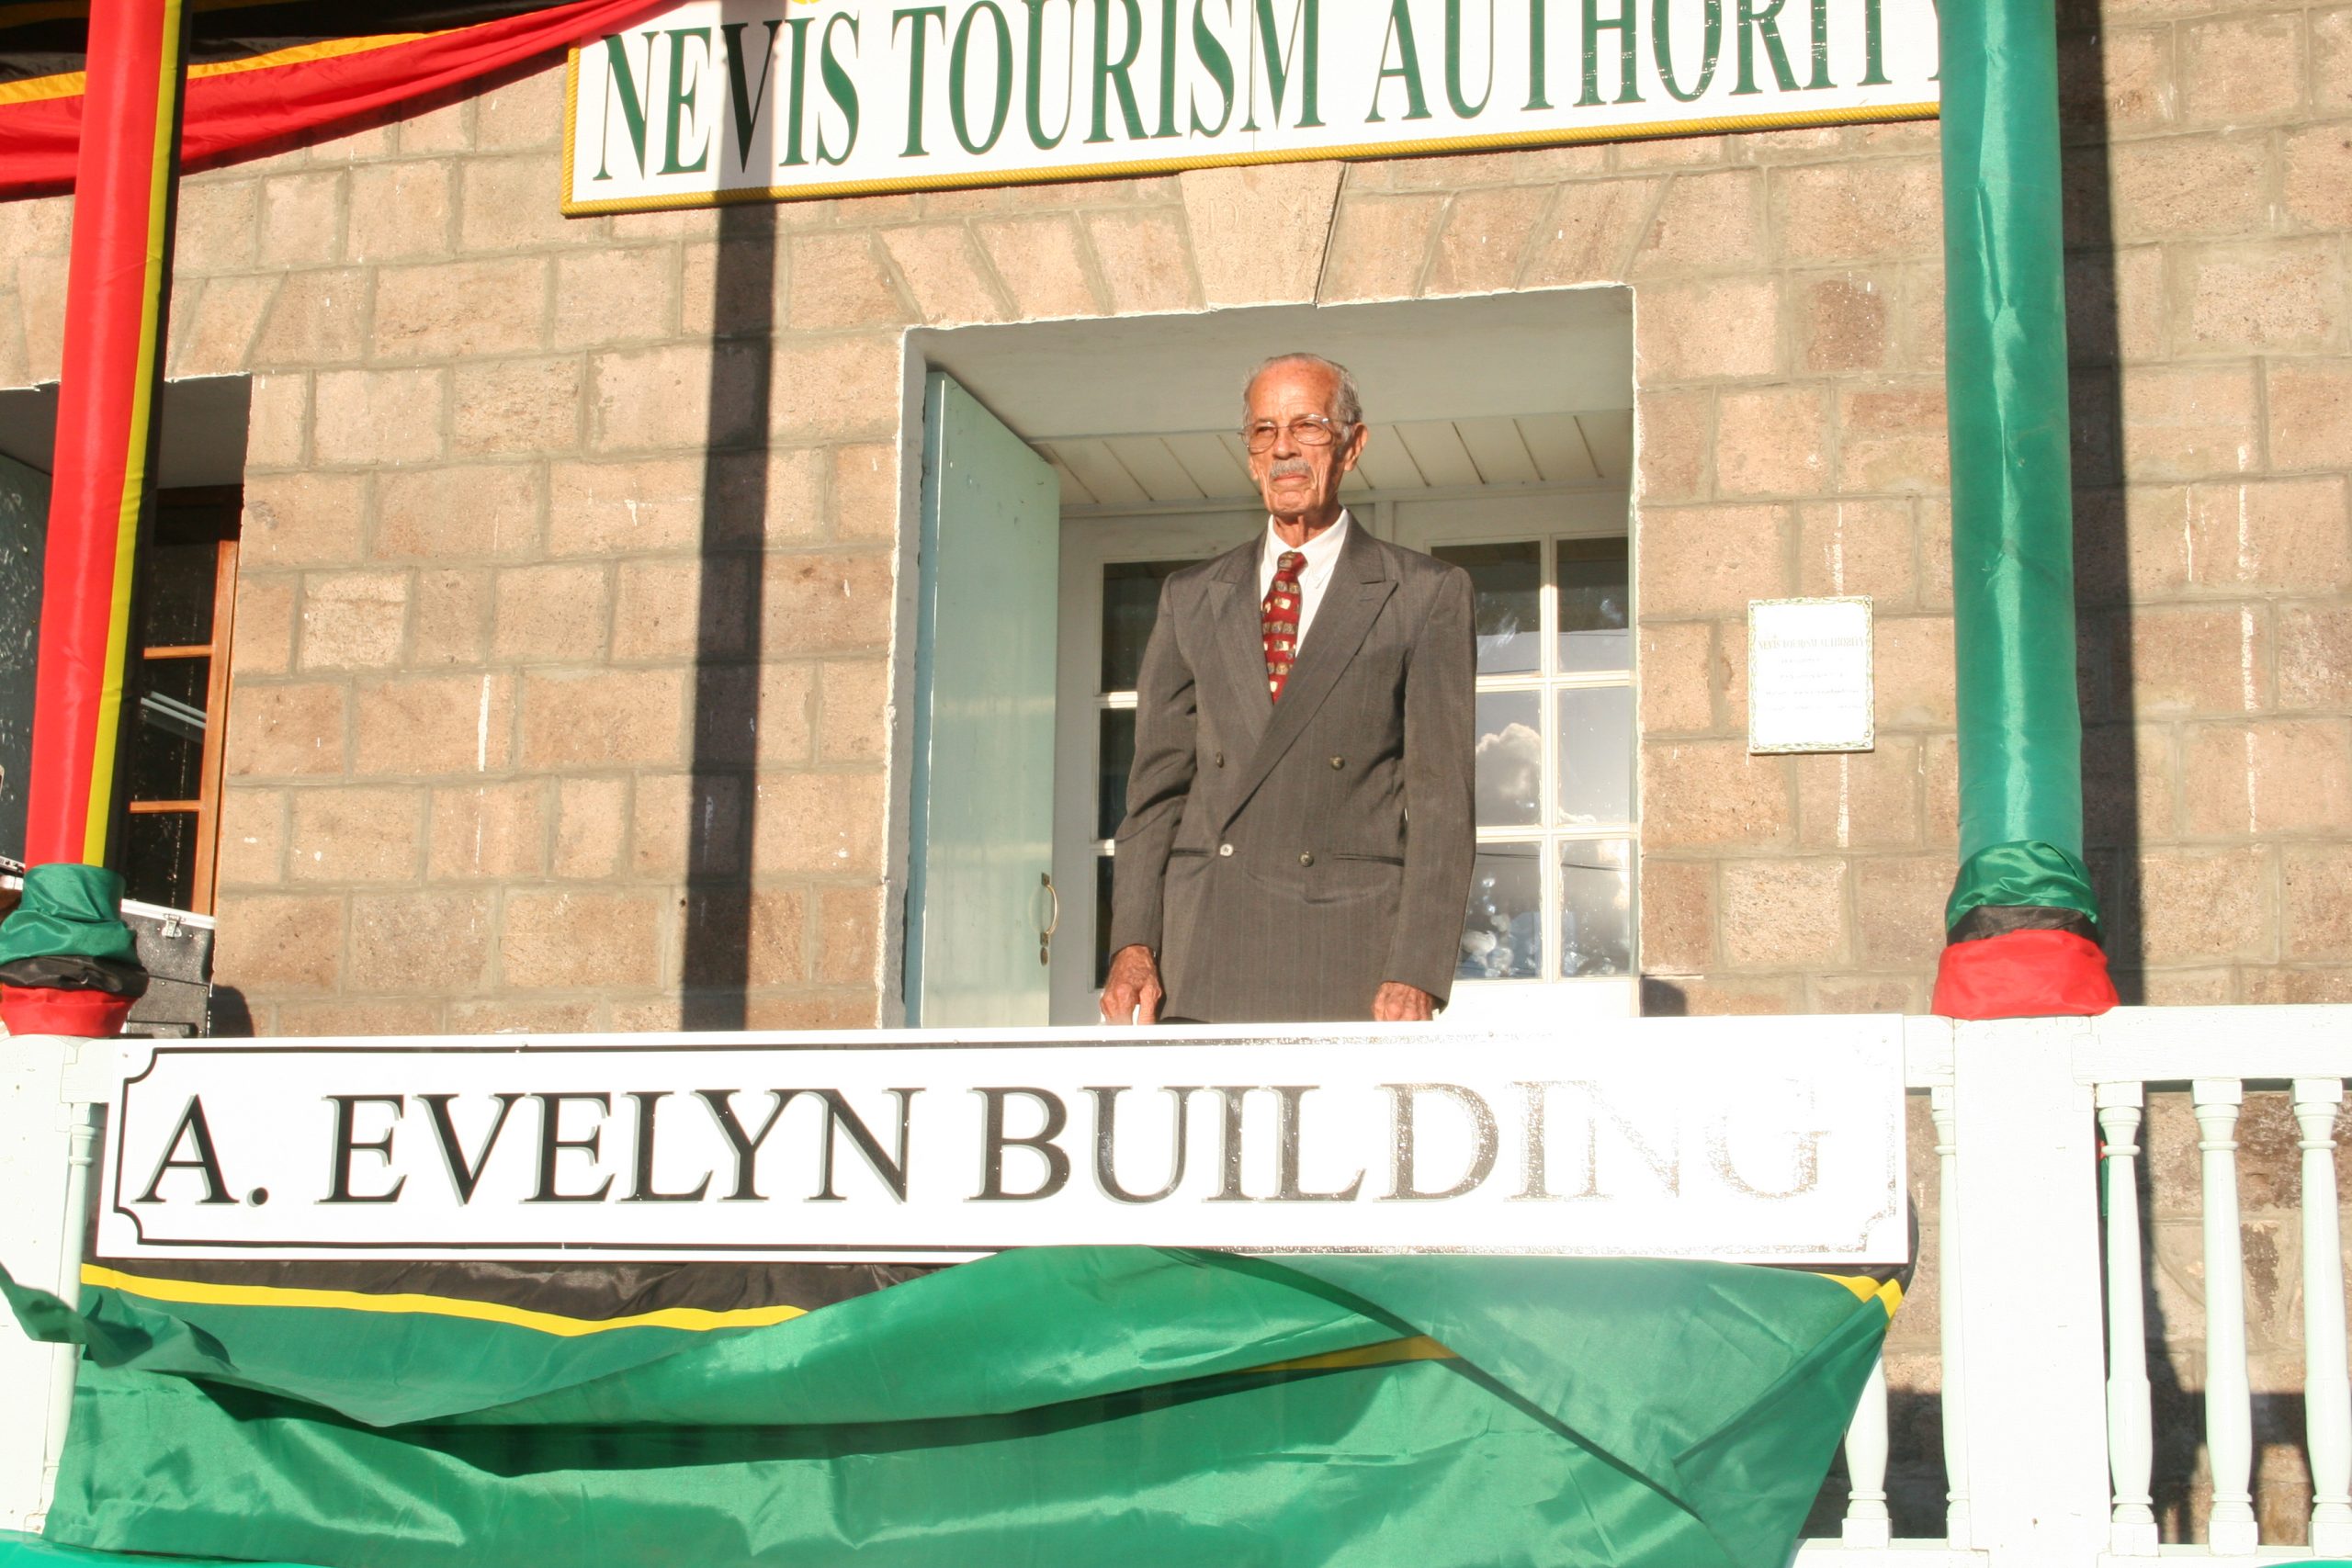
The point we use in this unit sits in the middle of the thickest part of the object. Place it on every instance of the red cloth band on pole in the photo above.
(2024, 974)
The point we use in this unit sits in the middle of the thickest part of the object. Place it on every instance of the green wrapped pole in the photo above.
(2023, 924)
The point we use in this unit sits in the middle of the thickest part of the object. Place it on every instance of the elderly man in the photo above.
(1298, 836)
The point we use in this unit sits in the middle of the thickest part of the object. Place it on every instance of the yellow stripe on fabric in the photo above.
(196, 1292)
(70, 84)
(1888, 1293)
(162, 158)
(1388, 1352)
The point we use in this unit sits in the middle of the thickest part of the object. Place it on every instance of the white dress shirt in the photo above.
(1322, 553)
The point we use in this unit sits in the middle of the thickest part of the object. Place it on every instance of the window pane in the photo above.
(176, 594)
(1503, 937)
(1509, 615)
(1117, 756)
(1101, 920)
(1596, 755)
(1511, 758)
(1593, 602)
(1596, 907)
(158, 863)
(167, 748)
(1130, 606)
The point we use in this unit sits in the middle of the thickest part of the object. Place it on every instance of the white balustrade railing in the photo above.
(2049, 1439)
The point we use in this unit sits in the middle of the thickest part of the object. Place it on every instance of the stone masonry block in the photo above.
(271, 943)
(280, 730)
(2332, 58)
(941, 264)
(2315, 917)
(523, 407)
(865, 493)
(252, 841)
(1783, 913)
(353, 619)
(1911, 664)
(1899, 910)
(2309, 410)
(834, 389)
(605, 718)
(262, 641)
(2203, 661)
(677, 826)
(1702, 328)
(2235, 69)
(819, 824)
(848, 933)
(1145, 256)
(1379, 245)
(551, 614)
(214, 336)
(1677, 914)
(2241, 779)
(1710, 561)
(1484, 239)
(1678, 659)
(681, 396)
(839, 280)
(450, 618)
(2292, 534)
(1772, 441)
(1044, 265)
(413, 725)
(1707, 221)
(301, 218)
(826, 603)
(1858, 546)
(1589, 232)
(278, 422)
(1858, 211)
(343, 834)
(624, 508)
(2318, 176)
(217, 227)
(400, 212)
(2188, 421)
(2195, 184)
(2268, 297)
(2205, 905)
(380, 416)
(614, 296)
(497, 832)
(462, 310)
(1844, 322)
(590, 828)
(1892, 438)
(2315, 657)
(854, 711)
(580, 940)
(1259, 232)
(1677, 437)
(436, 942)
(514, 204)
(662, 609)
(302, 519)
(317, 318)
(1861, 800)
(1700, 794)
(473, 512)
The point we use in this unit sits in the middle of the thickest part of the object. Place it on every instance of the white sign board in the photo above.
(841, 97)
(1770, 1140)
(1809, 686)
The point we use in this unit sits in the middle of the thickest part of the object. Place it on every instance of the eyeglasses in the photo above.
(1308, 430)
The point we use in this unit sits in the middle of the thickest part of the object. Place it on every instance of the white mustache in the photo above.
(1289, 465)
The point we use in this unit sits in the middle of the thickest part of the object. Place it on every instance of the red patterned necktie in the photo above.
(1281, 621)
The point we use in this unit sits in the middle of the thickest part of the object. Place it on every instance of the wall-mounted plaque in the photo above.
(1809, 676)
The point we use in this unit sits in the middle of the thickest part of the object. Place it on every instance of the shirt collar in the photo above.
(1320, 551)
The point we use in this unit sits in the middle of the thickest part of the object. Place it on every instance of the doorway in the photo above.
(1502, 440)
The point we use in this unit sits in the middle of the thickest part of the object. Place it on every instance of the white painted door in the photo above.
(980, 900)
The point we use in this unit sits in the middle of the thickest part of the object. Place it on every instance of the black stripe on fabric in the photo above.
(1999, 919)
(591, 1292)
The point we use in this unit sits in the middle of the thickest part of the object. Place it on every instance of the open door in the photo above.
(23, 525)
(981, 906)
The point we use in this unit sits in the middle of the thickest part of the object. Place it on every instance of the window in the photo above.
(179, 688)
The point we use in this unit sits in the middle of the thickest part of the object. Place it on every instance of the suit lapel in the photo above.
(1359, 585)
(1237, 630)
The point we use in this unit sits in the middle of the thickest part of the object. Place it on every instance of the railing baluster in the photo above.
(2229, 1398)
(1866, 1523)
(73, 1246)
(2327, 1387)
(2131, 1442)
(1955, 1385)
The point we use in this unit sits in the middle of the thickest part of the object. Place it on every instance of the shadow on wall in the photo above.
(722, 793)
(2111, 823)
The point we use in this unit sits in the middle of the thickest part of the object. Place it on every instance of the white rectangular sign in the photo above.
(1809, 681)
(721, 98)
(1768, 1140)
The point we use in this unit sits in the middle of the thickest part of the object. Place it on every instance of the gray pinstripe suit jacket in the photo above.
(1267, 858)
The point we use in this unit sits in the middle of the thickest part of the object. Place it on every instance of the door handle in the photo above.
(1052, 917)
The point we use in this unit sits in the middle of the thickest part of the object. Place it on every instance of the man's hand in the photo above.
(1395, 1003)
(1133, 994)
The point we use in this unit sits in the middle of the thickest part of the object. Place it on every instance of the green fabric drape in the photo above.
(1051, 1407)
(2013, 580)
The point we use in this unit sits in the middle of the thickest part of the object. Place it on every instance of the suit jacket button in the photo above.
(1220, 759)
(1306, 860)
(1338, 761)
(1225, 849)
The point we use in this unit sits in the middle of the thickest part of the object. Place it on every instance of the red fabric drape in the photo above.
(237, 107)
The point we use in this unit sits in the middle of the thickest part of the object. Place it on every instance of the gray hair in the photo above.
(1346, 406)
